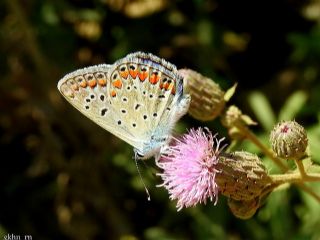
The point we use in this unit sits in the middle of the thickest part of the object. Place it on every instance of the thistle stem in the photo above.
(279, 179)
(297, 179)
(301, 169)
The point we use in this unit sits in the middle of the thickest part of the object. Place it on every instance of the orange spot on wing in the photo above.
(124, 74)
(133, 73)
(92, 83)
(143, 76)
(169, 86)
(117, 83)
(102, 82)
(113, 93)
(83, 84)
(173, 90)
(154, 78)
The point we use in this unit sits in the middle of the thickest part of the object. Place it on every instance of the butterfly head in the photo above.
(151, 148)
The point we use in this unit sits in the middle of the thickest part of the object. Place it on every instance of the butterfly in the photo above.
(139, 99)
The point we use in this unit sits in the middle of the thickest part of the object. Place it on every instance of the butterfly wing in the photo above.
(138, 99)
(88, 90)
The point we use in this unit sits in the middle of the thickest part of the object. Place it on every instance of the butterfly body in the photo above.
(139, 99)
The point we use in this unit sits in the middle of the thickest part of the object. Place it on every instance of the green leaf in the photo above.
(313, 133)
(314, 169)
(156, 233)
(262, 109)
(309, 212)
(293, 105)
(248, 120)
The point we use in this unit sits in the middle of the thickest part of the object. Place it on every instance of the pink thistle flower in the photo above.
(189, 168)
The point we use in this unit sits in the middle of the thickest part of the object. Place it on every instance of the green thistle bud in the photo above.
(289, 140)
(207, 98)
(244, 209)
(241, 176)
(231, 116)
(232, 119)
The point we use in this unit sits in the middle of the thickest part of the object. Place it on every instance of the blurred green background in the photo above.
(63, 177)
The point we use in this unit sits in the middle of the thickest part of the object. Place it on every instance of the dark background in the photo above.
(63, 177)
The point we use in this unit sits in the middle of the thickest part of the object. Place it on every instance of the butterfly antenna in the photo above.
(145, 187)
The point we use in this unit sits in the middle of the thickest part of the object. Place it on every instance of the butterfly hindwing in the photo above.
(88, 91)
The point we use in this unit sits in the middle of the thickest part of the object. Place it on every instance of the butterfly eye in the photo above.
(139, 155)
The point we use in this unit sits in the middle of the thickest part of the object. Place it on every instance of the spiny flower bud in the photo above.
(241, 175)
(231, 116)
(244, 209)
(289, 140)
(207, 98)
